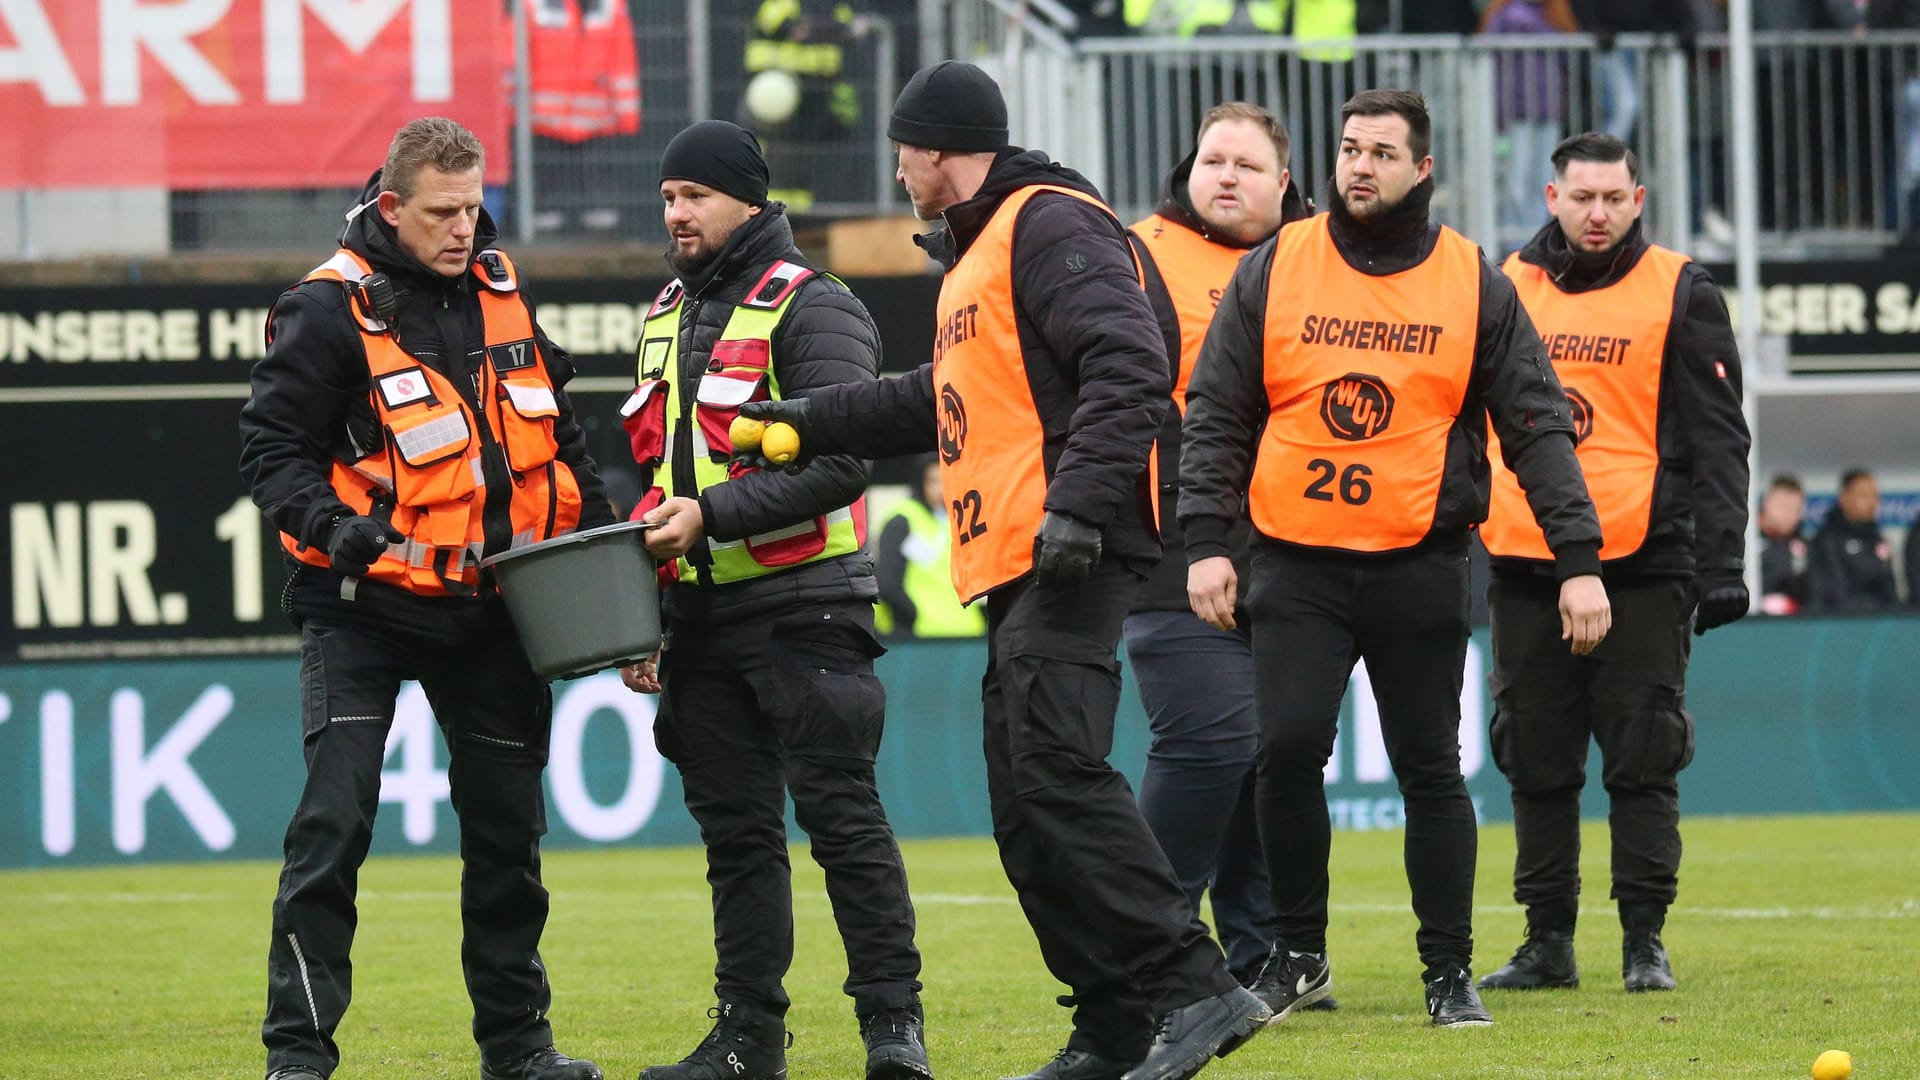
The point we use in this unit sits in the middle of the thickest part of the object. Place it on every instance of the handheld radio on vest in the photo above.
(375, 293)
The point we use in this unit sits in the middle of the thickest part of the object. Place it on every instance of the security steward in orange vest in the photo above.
(1640, 338)
(1049, 380)
(408, 420)
(766, 683)
(1196, 683)
(1344, 392)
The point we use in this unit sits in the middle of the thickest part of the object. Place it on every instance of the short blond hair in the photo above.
(430, 140)
(1275, 128)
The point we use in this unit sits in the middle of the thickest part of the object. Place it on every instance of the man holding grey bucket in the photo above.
(766, 680)
(407, 421)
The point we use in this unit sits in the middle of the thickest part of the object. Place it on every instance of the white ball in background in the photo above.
(772, 96)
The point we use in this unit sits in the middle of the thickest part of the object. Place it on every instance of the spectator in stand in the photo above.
(1529, 89)
(1619, 69)
(1851, 565)
(1913, 562)
(1783, 546)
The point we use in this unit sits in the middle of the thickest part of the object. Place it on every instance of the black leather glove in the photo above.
(358, 542)
(1064, 550)
(1721, 597)
(792, 411)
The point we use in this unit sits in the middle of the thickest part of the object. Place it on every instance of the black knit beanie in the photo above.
(950, 106)
(725, 157)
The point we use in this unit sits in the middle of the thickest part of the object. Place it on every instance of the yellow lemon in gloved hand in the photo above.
(746, 432)
(780, 444)
(1833, 1065)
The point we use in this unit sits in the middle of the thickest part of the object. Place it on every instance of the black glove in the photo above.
(1065, 550)
(358, 542)
(1721, 597)
(792, 411)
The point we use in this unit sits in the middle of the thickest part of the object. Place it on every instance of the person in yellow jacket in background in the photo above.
(408, 420)
(913, 562)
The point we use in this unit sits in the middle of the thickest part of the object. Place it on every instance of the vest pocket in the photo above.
(644, 415)
(546, 503)
(717, 402)
(432, 450)
(526, 419)
(794, 544)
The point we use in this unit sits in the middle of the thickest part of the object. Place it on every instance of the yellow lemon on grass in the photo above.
(746, 432)
(1833, 1065)
(780, 443)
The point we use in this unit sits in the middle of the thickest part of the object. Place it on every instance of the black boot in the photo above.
(1073, 1064)
(745, 1044)
(545, 1063)
(896, 1045)
(1643, 959)
(1545, 960)
(1184, 1038)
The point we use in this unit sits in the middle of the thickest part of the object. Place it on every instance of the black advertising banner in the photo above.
(1836, 315)
(128, 531)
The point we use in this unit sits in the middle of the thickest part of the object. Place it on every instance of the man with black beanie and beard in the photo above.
(1343, 397)
(1049, 380)
(766, 680)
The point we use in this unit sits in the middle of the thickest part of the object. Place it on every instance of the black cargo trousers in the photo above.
(1112, 921)
(496, 716)
(752, 710)
(1629, 696)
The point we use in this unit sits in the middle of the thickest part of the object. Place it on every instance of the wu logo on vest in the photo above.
(953, 424)
(1356, 407)
(1581, 411)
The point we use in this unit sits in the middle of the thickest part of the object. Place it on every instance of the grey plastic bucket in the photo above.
(583, 602)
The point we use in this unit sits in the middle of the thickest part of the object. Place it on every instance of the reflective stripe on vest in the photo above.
(1196, 271)
(1364, 377)
(937, 611)
(741, 369)
(991, 440)
(427, 477)
(1607, 347)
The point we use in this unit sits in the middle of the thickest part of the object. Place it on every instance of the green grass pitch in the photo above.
(1792, 935)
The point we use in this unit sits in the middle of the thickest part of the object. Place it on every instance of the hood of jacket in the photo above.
(1013, 169)
(1583, 271)
(1176, 205)
(368, 235)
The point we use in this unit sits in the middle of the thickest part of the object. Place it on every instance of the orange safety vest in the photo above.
(426, 477)
(583, 72)
(1607, 347)
(1365, 376)
(991, 438)
(1196, 271)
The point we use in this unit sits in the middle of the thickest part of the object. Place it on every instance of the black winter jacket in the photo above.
(1166, 587)
(1699, 520)
(826, 337)
(1096, 362)
(1512, 384)
(310, 392)
(1850, 567)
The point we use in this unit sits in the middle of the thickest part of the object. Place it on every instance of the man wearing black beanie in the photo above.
(768, 686)
(1049, 381)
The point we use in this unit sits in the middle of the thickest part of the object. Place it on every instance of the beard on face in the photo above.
(698, 259)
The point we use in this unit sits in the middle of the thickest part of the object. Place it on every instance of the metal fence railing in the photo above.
(1838, 115)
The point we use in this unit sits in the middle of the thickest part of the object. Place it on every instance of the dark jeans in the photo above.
(496, 716)
(751, 712)
(1111, 920)
(1629, 695)
(1313, 616)
(1197, 793)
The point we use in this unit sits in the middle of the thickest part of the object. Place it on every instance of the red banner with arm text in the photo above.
(198, 94)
